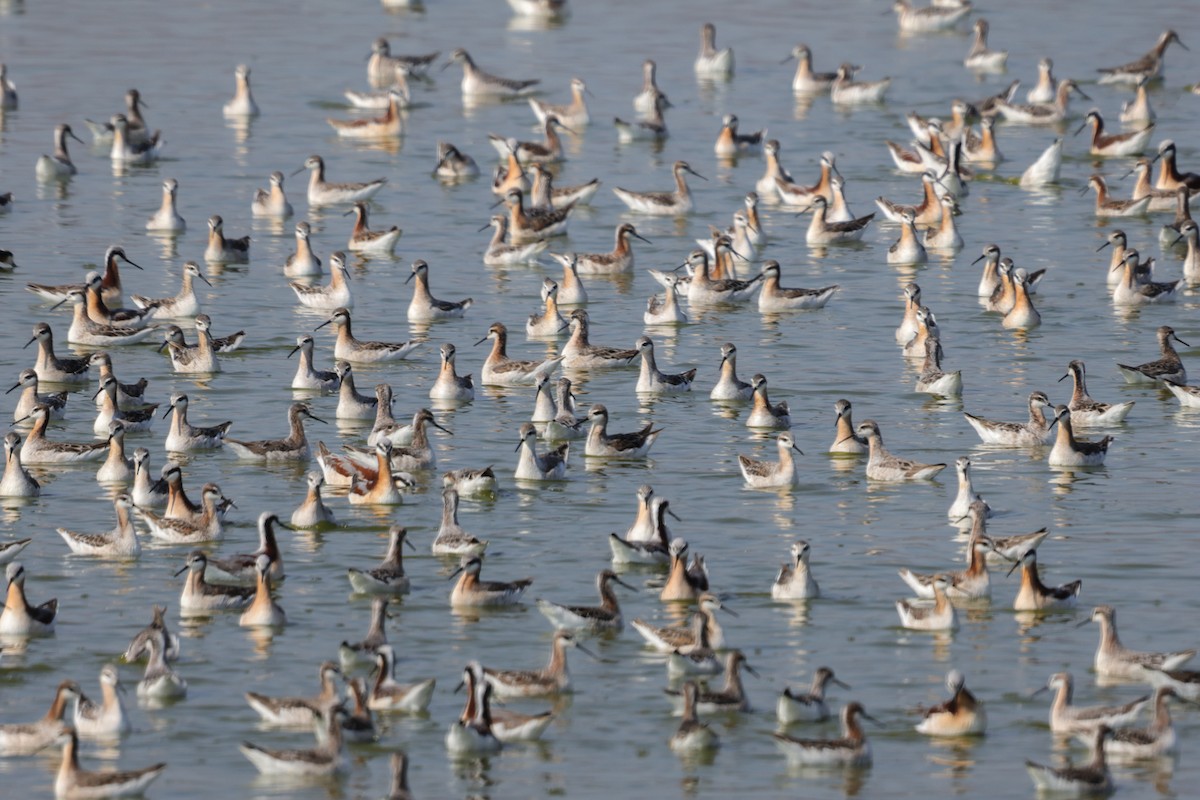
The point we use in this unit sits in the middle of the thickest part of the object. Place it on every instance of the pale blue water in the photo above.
(1127, 530)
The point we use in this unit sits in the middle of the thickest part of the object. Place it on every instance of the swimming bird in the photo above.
(242, 104)
(692, 735)
(940, 617)
(535, 466)
(312, 512)
(108, 718)
(424, 306)
(1044, 90)
(712, 63)
(388, 126)
(472, 734)
(1071, 452)
(796, 707)
(795, 580)
(618, 261)
(75, 782)
(86, 331)
(972, 583)
(961, 715)
(30, 396)
(883, 466)
(16, 482)
(301, 711)
(58, 165)
(307, 376)
(469, 591)
(805, 80)
(729, 387)
(1035, 595)
(200, 596)
(48, 366)
(822, 231)
(222, 250)
(652, 380)
(202, 356)
(1068, 718)
(382, 65)
(365, 240)
(388, 695)
(501, 253)
(772, 474)
(935, 17)
(336, 294)
(1114, 660)
(730, 698)
(453, 164)
(478, 84)
(980, 56)
(676, 203)
(242, 569)
(184, 304)
(600, 443)
(908, 249)
(553, 679)
(764, 414)
(37, 449)
(1034, 432)
(669, 639)
(324, 193)
(967, 496)
(774, 298)
(29, 738)
(1130, 143)
(638, 550)
(303, 263)
(348, 348)
(272, 201)
(167, 219)
(731, 143)
(121, 542)
(388, 578)
(1148, 66)
(156, 628)
(263, 611)
(1106, 206)
(128, 149)
(1168, 368)
(593, 619)
(685, 581)
(574, 115)
(183, 436)
(452, 538)
(1133, 290)
(846, 441)
(852, 749)
(18, 617)
(327, 758)
(1169, 176)
(846, 91)
(293, 447)
(1045, 113)
(932, 379)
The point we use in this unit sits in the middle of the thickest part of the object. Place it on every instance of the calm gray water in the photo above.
(1124, 529)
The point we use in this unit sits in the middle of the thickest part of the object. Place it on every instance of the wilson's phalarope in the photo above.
(1022, 315)
(927, 212)
(1191, 262)
(774, 175)
(127, 150)
(128, 394)
(472, 733)
(1148, 66)
(908, 249)
(1155, 740)
(206, 527)
(580, 353)
(449, 384)
(1071, 452)
(805, 81)
(544, 194)
(365, 240)
(85, 331)
(619, 260)
(945, 236)
(242, 104)
(929, 18)
(17, 482)
(573, 115)
(201, 357)
(527, 225)
(156, 628)
(982, 149)
(566, 425)
(772, 474)
(500, 370)
(822, 231)
(99, 312)
(263, 612)
(472, 592)
(120, 542)
(29, 738)
(452, 539)
(1035, 595)
(1068, 718)
(643, 528)
(58, 165)
(990, 279)
(1138, 109)
(847, 91)
(500, 253)
(970, 584)
(1169, 368)
(1135, 289)
(729, 387)
(908, 327)
(764, 414)
(200, 596)
(1047, 113)
(643, 101)
(159, 682)
(1045, 170)
(424, 306)
(388, 578)
(981, 57)
(1169, 176)
(652, 380)
(40, 450)
(602, 444)
(313, 512)
(593, 619)
(940, 617)
(242, 569)
(18, 617)
(712, 63)
(967, 497)
(795, 580)
(108, 718)
(382, 65)
(553, 679)
(692, 735)
(307, 376)
(547, 151)
(1114, 660)
(351, 404)
(293, 447)
(676, 203)
(147, 492)
(852, 749)
(478, 84)
(417, 455)
(548, 323)
(846, 441)
(8, 90)
(167, 219)
(1160, 199)
(184, 304)
(669, 639)
(358, 351)
(796, 707)
(686, 581)
(453, 164)
(478, 483)
(221, 250)
(336, 294)
(774, 297)
(961, 715)
(298, 711)
(1046, 87)
(117, 468)
(388, 126)
(1085, 410)
(731, 143)
(704, 289)
(1034, 432)
(652, 549)
(535, 466)
(1115, 144)
(378, 486)
(323, 193)
(49, 367)
(933, 380)
(730, 698)
(303, 263)
(30, 397)
(883, 466)
(271, 202)
(327, 758)
(75, 782)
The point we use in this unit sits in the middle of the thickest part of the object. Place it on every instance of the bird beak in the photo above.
(1016, 564)
(454, 574)
(1063, 378)
(786, 60)
(623, 583)
(31, 341)
(481, 341)
(162, 346)
(170, 408)
(840, 683)
(315, 418)
(323, 324)
(130, 263)
(1181, 341)
(729, 611)
(76, 138)
(1081, 94)
(751, 670)
(643, 238)
(98, 393)
(797, 449)
(981, 258)
(294, 349)
(1080, 128)
(485, 227)
(460, 686)
(15, 386)
(1101, 247)
(440, 428)
(697, 174)
(181, 571)
(201, 277)
(56, 305)
(410, 277)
